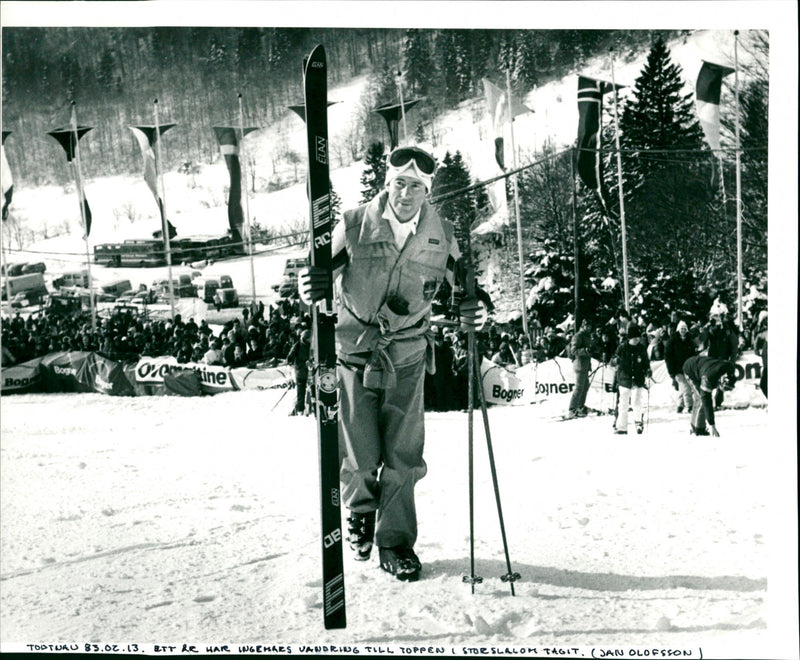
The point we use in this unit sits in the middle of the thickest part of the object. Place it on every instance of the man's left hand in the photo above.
(471, 314)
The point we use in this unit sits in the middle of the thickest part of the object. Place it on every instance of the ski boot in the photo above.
(640, 427)
(401, 562)
(693, 430)
(360, 533)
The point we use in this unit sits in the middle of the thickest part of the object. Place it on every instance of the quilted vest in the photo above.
(384, 294)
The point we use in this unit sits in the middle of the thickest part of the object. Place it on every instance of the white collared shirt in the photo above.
(401, 230)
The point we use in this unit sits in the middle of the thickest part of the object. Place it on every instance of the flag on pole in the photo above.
(146, 136)
(497, 114)
(68, 137)
(497, 111)
(5, 175)
(392, 112)
(229, 148)
(707, 95)
(588, 157)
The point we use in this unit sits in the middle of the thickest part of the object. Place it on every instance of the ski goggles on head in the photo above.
(411, 162)
(423, 161)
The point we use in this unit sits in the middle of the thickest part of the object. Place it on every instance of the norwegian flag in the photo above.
(589, 161)
(229, 148)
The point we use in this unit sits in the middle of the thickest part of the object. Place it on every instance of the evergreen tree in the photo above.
(461, 210)
(374, 174)
(447, 57)
(668, 196)
(418, 62)
(754, 138)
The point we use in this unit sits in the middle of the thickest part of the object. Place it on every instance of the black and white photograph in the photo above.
(399, 328)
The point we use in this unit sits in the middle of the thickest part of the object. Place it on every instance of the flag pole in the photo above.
(399, 76)
(3, 220)
(516, 210)
(81, 200)
(739, 293)
(5, 259)
(621, 193)
(576, 252)
(243, 171)
(165, 232)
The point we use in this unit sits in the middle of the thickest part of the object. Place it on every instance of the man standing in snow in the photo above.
(704, 375)
(680, 347)
(633, 368)
(580, 352)
(389, 257)
(721, 343)
(298, 357)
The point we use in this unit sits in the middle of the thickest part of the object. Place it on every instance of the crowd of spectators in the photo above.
(263, 336)
(260, 336)
(507, 346)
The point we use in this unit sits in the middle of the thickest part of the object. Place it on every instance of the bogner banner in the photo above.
(552, 382)
(23, 377)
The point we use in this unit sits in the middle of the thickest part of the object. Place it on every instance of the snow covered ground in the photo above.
(164, 521)
(167, 520)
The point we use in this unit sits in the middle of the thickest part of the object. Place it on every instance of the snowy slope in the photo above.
(158, 520)
(123, 207)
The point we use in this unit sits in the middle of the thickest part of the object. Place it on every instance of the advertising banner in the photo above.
(104, 376)
(150, 371)
(21, 378)
(60, 372)
(552, 382)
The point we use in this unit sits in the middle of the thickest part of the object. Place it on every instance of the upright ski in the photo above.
(324, 347)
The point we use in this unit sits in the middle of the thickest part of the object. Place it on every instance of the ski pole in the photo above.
(281, 398)
(510, 576)
(472, 579)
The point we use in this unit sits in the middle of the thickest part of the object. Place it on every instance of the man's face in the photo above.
(406, 196)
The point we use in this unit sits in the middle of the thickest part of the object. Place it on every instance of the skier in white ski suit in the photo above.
(390, 256)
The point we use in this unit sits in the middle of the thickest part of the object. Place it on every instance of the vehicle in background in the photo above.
(294, 266)
(226, 298)
(206, 287)
(143, 252)
(14, 270)
(116, 288)
(144, 298)
(288, 287)
(63, 304)
(22, 300)
(182, 287)
(38, 267)
(31, 284)
(73, 278)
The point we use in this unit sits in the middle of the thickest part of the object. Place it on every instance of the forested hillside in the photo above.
(113, 75)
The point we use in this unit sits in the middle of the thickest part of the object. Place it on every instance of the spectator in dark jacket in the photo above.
(680, 347)
(633, 368)
(298, 357)
(704, 375)
(580, 353)
(722, 344)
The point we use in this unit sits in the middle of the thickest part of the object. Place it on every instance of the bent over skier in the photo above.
(705, 374)
(390, 256)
